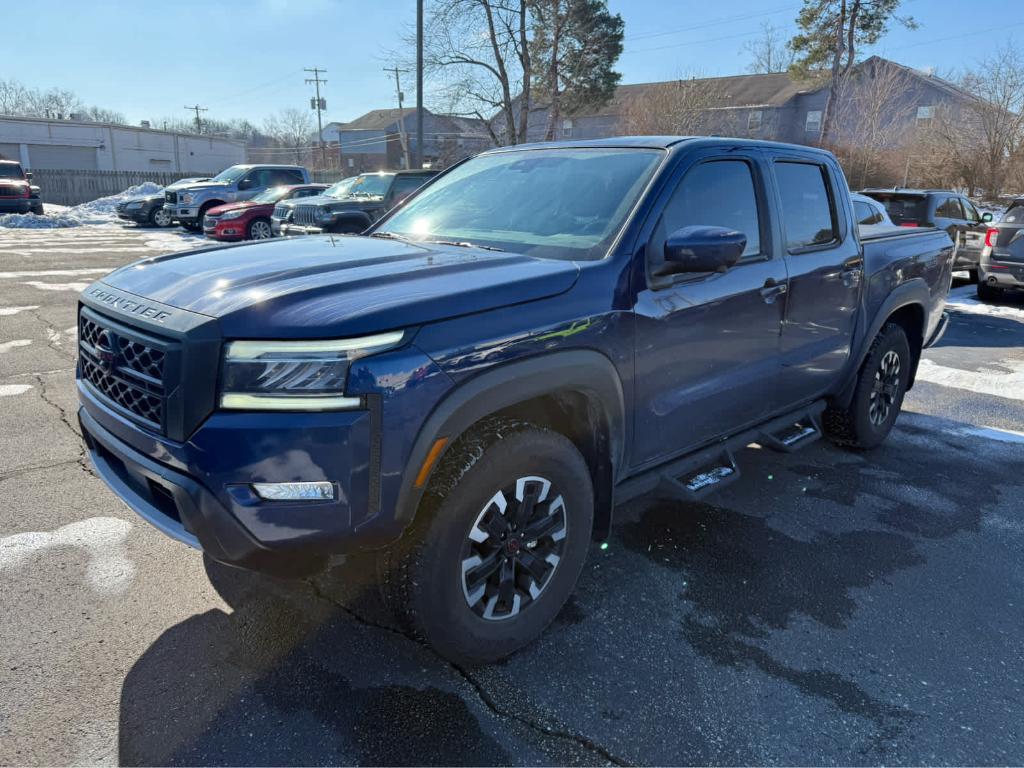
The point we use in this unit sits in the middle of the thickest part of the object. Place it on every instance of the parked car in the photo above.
(868, 212)
(17, 193)
(149, 209)
(368, 197)
(284, 209)
(250, 220)
(467, 390)
(189, 205)
(940, 208)
(1002, 260)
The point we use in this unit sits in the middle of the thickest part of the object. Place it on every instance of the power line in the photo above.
(320, 104)
(198, 109)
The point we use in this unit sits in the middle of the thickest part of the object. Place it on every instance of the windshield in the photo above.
(11, 171)
(368, 185)
(551, 203)
(232, 174)
(341, 188)
(904, 209)
(271, 195)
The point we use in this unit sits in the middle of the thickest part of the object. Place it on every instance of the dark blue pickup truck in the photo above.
(468, 389)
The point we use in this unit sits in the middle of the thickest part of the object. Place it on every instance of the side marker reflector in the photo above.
(428, 463)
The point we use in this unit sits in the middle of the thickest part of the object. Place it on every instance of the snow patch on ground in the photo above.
(7, 346)
(96, 212)
(993, 433)
(76, 287)
(8, 311)
(53, 273)
(110, 570)
(7, 390)
(1006, 379)
(964, 299)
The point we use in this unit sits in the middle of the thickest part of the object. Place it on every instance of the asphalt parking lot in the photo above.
(830, 608)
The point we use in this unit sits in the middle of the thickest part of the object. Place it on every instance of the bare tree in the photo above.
(291, 128)
(478, 52)
(676, 107)
(769, 52)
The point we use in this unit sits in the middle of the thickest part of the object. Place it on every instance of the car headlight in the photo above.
(323, 214)
(187, 198)
(134, 206)
(232, 214)
(295, 375)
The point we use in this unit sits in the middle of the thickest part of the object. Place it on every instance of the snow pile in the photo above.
(100, 211)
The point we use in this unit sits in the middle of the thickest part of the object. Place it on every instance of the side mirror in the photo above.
(986, 218)
(244, 184)
(703, 249)
(28, 175)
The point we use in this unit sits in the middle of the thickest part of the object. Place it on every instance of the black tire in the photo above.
(192, 226)
(425, 578)
(878, 395)
(988, 292)
(972, 275)
(259, 229)
(37, 209)
(160, 218)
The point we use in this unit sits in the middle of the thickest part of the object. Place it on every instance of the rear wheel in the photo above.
(160, 217)
(499, 553)
(972, 275)
(259, 229)
(878, 396)
(988, 292)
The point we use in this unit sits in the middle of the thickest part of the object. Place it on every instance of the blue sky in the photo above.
(148, 58)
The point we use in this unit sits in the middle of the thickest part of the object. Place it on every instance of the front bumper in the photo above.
(232, 229)
(17, 205)
(199, 492)
(183, 213)
(290, 230)
(137, 215)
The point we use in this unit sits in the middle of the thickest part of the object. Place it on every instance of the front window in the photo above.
(340, 189)
(11, 171)
(232, 174)
(550, 203)
(370, 185)
(271, 195)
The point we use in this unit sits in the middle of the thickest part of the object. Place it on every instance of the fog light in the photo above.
(294, 491)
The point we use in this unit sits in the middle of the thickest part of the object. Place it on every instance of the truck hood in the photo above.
(323, 286)
(199, 186)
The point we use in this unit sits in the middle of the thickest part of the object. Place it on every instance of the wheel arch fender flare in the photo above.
(913, 292)
(361, 218)
(580, 371)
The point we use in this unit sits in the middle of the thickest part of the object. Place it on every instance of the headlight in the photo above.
(323, 214)
(134, 206)
(232, 214)
(295, 375)
(187, 198)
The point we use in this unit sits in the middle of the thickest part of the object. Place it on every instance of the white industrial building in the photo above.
(41, 144)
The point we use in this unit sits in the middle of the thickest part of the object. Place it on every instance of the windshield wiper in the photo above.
(390, 236)
(465, 244)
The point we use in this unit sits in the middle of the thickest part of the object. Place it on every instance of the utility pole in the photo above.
(401, 118)
(419, 83)
(198, 109)
(319, 104)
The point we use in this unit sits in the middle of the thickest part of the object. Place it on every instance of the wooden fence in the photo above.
(74, 187)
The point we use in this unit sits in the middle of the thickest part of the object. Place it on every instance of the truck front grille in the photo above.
(9, 190)
(280, 212)
(125, 370)
(305, 215)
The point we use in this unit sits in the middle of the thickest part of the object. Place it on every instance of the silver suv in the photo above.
(239, 182)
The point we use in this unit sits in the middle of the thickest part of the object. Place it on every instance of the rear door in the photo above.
(707, 345)
(826, 271)
(974, 230)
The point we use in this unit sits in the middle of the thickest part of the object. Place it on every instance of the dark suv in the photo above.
(940, 208)
(350, 206)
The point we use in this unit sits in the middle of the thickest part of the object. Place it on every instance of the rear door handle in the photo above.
(772, 290)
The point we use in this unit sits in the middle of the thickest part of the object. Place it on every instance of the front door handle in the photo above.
(772, 290)
(851, 272)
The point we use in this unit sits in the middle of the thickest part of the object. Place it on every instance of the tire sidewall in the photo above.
(892, 339)
(446, 620)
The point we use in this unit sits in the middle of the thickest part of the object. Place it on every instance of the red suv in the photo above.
(250, 219)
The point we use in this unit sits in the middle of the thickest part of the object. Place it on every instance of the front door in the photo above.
(707, 345)
(826, 272)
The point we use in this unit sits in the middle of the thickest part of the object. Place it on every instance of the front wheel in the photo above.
(160, 217)
(259, 229)
(504, 539)
(878, 396)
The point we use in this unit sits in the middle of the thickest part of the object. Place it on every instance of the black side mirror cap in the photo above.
(986, 217)
(703, 249)
(28, 175)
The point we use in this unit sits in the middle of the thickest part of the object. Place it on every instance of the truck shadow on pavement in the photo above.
(293, 676)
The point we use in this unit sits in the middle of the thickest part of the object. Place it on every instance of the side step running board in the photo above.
(703, 480)
(802, 431)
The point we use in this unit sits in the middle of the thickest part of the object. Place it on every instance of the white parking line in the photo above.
(76, 287)
(55, 273)
(7, 390)
(109, 571)
(7, 346)
(987, 381)
(7, 311)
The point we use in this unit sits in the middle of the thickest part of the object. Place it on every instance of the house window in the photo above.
(813, 123)
(754, 120)
(567, 129)
(925, 113)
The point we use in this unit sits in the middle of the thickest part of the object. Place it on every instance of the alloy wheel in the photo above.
(885, 388)
(162, 218)
(260, 230)
(513, 548)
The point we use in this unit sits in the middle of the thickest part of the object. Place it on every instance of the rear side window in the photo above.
(970, 212)
(406, 185)
(719, 193)
(865, 213)
(288, 176)
(1014, 214)
(808, 213)
(949, 209)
